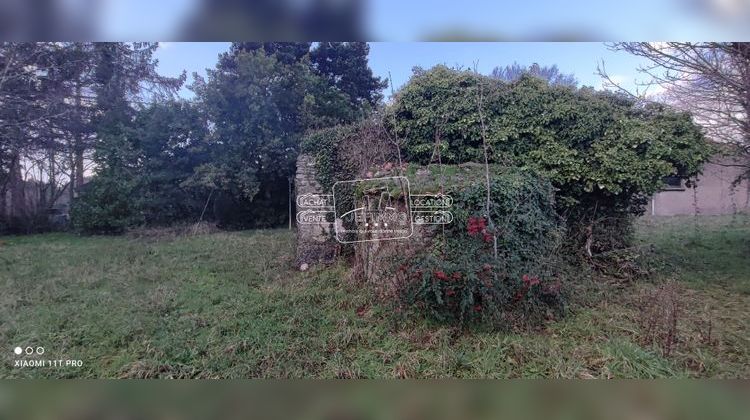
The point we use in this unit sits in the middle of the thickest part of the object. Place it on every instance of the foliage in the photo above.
(171, 140)
(254, 102)
(326, 146)
(441, 101)
(603, 154)
(460, 279)
(36, 121)
(260, 100)
(113, 201)
(81, 102)
(106, 206)
(708, 79)
(162, 149)
(344, 66)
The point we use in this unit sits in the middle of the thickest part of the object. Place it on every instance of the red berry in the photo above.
(441, 275)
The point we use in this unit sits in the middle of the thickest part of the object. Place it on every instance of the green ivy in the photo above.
(603, 152)
(461, 279)
(324, 146)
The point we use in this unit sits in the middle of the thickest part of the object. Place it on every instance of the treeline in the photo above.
(96, 123)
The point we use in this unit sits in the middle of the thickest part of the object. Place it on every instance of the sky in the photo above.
(398, 58)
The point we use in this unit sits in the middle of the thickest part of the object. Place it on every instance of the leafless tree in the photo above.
(709, 79)
(551, 74)
(485, 147)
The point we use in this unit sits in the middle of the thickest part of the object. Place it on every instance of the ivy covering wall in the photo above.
(605, 154)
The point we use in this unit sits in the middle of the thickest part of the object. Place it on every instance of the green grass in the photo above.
(703, 250)
(232, 305)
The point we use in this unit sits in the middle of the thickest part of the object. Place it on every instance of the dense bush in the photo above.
(461, 279)
(106, 206)
(604, 153)
(343, 152)
(142, 170)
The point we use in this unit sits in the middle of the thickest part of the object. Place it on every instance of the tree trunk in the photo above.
(52, 180)
(71, 185)
(78, 148)
(78, 170)
(16, 188)
(3, 206)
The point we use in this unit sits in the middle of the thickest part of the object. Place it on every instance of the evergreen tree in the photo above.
(122, 73)
(344, 66)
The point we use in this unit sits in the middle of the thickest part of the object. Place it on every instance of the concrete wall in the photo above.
(713, 195)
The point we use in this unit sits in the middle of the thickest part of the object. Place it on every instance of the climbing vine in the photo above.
(325, 145)
(461, 279)
(603, 153)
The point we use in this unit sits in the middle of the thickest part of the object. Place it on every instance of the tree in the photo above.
(171, 145)
(53, 105)
(254, 103)
(344, 66)
(552, 74)
(709, 79)
(78, 129)
(123, 74)
(259, 101)
(285, 52)
(19, 104)
(31, 107)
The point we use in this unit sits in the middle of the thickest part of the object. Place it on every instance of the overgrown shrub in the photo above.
(343, 152)
(604, 153)
(461, 279)
(106, 206)
(327, 146)
(659, 316)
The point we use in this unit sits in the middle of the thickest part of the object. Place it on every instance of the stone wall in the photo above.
(315, 243)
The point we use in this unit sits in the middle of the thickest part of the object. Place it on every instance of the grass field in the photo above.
(232, 305)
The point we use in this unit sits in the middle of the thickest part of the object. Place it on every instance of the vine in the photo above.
(462, 279)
